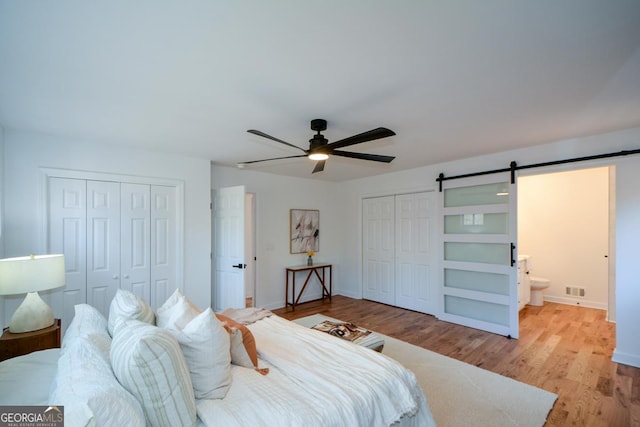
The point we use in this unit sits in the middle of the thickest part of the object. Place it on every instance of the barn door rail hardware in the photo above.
(513, 166)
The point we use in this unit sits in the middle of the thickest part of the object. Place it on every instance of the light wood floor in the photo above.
(563, 349)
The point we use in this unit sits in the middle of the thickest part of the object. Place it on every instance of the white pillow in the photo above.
(86, 321)
(148, 362)
(170, 302)
(88, 389)
(205, 345)
(239, 355)
(127, 305)
(175, 313)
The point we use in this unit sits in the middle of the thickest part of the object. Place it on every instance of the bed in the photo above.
(137, 367)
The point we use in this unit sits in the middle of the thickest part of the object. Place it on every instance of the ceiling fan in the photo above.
(320, 149)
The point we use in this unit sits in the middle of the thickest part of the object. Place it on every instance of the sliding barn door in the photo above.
(479, 268)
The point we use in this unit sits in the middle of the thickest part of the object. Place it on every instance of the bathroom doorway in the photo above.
(566, 227)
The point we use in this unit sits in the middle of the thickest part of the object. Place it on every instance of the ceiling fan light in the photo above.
(318, 156)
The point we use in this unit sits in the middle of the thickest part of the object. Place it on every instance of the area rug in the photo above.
(460, 394)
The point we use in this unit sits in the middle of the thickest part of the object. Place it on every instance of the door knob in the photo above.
(241, 266)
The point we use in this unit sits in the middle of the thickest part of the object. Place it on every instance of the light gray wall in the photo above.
(563, 225)
(274, 196)
(1, 193)
(26, 153)
(339, 205)
(627, 250)
(627, 217)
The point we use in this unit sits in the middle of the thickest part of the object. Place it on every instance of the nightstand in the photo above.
(12, 345)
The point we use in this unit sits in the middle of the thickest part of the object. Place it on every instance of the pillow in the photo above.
(176, 312)
(88, 389)
(148, 362)
(128, 305)
(86, 321)
(205, 345)
(239, 355)
(248, 343)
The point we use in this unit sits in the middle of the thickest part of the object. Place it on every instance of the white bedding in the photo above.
(26, 380)
(317, 380)
(314, 380)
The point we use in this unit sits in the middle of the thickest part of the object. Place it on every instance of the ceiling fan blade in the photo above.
(273, 138)
(362, 137)
(266, 160)
(364, 156)
(319, 166)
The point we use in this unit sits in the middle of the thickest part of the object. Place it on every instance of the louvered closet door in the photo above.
(103, 243)
(67, 234)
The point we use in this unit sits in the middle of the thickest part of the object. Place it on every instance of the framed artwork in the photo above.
(304, 231)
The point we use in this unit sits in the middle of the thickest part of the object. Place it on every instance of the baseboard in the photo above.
(574, 301)
(305, 298)
(349, 294)
(626, 358)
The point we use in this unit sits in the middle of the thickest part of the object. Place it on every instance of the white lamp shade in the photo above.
(31, 274)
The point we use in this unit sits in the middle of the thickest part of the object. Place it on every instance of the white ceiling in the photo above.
(453, 79)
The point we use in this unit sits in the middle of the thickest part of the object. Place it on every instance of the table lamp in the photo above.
(29, 275)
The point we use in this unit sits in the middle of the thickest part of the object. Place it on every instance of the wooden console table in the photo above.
(319, 270)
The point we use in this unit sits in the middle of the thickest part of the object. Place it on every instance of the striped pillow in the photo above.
(128, 305)
(148, 362)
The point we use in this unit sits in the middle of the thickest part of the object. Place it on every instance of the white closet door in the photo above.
(415, 278)
(103, 243)
(378, 249)
(135, 239)
(67, 234)
(163, 244)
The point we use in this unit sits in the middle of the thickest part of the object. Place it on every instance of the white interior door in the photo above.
(250, 248)
(103, 243)
(479, 264)
(164, 240)
(136, 240)
(378, 243)
(67, 227)
(228, 232)
(415, 271)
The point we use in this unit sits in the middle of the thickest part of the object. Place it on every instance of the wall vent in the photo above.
(574, 291)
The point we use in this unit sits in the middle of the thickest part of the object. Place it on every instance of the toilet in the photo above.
(538, 284)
